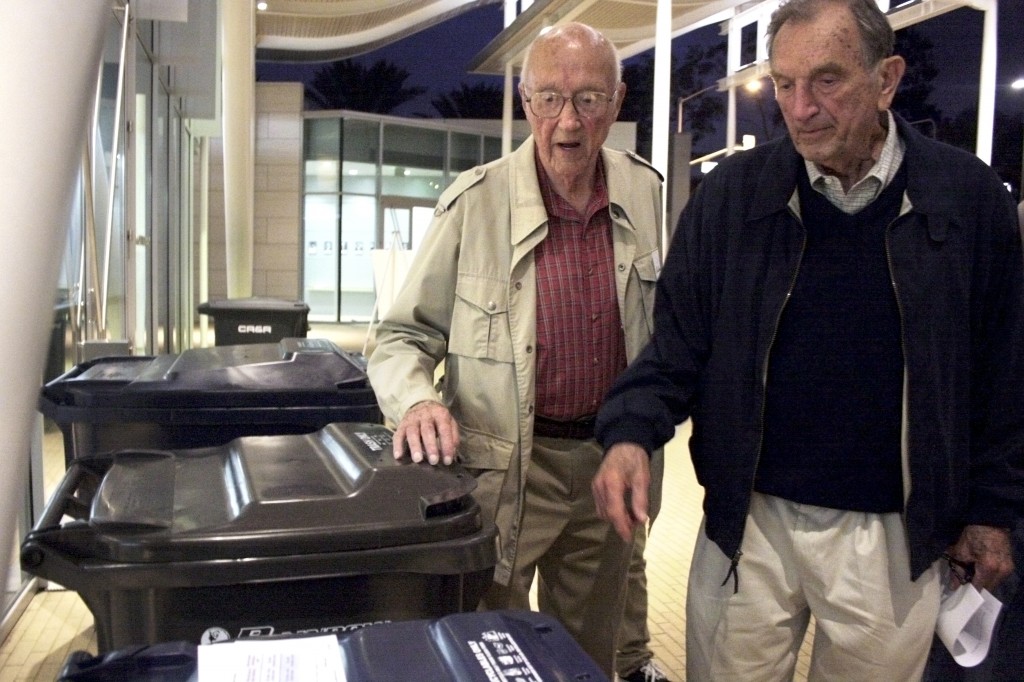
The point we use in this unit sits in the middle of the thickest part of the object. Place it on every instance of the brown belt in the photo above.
(575, 429)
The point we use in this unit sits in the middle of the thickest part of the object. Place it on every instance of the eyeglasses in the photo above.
(963, 571)
(587, 103)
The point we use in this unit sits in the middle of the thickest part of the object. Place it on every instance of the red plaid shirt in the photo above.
(581, 347)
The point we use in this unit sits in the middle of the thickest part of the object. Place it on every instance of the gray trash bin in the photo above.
(266, 535)
(490, 646)
(256, 319)
(207, 396)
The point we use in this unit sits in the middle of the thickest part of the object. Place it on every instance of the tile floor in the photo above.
(57, 623)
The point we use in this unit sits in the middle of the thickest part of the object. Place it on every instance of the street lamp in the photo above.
(753, 87)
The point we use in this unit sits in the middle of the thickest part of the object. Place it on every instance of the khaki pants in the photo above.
(579, 560)
(634, 634)
(847, 569)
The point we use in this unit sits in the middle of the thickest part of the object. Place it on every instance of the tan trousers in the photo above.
(634, 633)
(847, 569)
(579, 561)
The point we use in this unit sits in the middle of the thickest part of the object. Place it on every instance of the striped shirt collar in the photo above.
(871, 185)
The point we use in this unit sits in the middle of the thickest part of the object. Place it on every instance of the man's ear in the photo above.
(891, 72)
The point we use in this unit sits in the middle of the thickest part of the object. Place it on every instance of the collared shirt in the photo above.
(580, 343)
(871, 185)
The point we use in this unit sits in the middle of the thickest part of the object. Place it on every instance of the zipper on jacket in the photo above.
(906, 373)
(734, 566)
(734, 571)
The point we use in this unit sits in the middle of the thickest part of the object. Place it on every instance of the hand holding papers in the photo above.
(966, 620)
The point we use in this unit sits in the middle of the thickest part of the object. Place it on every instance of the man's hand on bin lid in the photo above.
(427, 430)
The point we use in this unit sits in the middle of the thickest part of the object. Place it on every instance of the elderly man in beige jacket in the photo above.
(535, 286)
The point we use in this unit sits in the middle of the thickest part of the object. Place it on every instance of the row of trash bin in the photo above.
(248, 490)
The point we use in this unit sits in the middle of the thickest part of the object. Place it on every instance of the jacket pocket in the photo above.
(480, 326)
(647, 276)
(479, 450)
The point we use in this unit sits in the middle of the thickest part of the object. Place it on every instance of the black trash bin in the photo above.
(492, 646)
(256, 319)
(266, 535)
(207, 396)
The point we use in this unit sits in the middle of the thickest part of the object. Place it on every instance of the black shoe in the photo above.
(648, 672)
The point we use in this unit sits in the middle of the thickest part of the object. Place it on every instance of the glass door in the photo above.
(402, 226)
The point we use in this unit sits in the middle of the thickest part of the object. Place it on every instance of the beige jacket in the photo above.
(469, 299)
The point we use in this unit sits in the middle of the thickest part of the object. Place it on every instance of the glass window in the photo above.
(358, 240)
(320, 274)
(465, 152)
(323, 145)
(492, 148)
(359, 170)
(413, 162)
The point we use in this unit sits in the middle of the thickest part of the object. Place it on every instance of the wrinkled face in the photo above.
(568, 144)
(831, 103)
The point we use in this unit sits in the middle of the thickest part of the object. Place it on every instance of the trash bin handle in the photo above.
(64, 502)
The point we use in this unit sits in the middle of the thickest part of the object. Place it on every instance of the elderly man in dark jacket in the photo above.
(841, 314)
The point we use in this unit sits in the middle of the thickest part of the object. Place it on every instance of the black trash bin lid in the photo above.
(335, 490)
(250, 304)
(291, 372)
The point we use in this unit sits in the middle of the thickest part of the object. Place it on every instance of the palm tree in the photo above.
(480, 100)
(350, 84)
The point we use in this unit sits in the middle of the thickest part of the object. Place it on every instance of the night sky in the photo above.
(437, 58)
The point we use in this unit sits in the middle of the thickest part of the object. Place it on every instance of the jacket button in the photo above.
(529, 349)
(438, 211)
(519, 285)
(491, 305)
(615, 213)
(621, 267)
(478, 171)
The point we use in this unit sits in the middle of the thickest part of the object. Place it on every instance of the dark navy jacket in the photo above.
(956, 266)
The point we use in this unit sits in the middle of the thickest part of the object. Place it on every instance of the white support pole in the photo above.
(732, 65)
(987, 82)
(239, 119)
(204, 236)
(662, 102)
(506, 111)
(51, 51)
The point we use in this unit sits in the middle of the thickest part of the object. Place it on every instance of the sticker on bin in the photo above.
(271, 631)
(501, 658)
(376, 441)
(307, 659)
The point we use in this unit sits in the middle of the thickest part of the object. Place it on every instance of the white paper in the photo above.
(298, 659)
(966, 620)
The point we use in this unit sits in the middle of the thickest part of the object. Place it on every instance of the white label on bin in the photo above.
(255, 329)
(376, 442)
(255, 632)
(501, 658)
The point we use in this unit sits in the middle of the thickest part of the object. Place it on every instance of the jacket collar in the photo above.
(930, 190)
(527, 203)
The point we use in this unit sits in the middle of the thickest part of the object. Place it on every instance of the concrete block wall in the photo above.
(277, 203)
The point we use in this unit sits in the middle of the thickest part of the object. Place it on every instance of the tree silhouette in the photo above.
(480, 100)
(697, 69)
(349, 84)
(1007, 140)
(911, 100)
